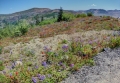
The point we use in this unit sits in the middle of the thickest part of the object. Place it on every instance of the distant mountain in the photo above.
(27, 14)
(46, 12)
(101, 12)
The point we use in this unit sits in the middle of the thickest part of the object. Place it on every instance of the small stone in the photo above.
(107, 49)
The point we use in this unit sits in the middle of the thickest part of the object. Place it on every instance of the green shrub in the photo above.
(87, 49)
(3, 79)
(48, 21)
(68, 16)
(64, 41)
(115, 42)
(23, 30)
(1, 66)
(89, 14)
(81, 15)
(17, 33)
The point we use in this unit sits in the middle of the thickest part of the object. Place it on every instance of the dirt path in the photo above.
(106, 69)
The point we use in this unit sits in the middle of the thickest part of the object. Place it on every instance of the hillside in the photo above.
(49, 53)
(28, 15)
(47, 13)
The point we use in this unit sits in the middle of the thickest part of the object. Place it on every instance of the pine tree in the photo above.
(60, 15)
(37, 19)
(42, 18)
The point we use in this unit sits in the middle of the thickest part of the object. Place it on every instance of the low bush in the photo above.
(81, 15)
(115, 42)
(1, 66)
(47, 21)
(89, 14)
(68, 17)
(23, 30)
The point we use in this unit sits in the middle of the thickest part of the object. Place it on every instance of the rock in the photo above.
(18, 63)
(107, 49)
(105, 70)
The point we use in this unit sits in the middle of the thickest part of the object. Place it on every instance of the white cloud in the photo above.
(93, 5)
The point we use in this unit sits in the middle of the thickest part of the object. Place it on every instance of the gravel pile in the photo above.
(105, 70)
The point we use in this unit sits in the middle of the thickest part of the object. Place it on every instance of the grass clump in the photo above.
(64, 41)
(115, 42)
(23, 30)
(29, 52)
(1, 65)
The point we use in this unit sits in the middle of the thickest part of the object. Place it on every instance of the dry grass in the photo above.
(77, 25)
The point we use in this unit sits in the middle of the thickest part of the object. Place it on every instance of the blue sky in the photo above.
(11, 6)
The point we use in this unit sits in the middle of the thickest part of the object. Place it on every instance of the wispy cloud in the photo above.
(93, 5)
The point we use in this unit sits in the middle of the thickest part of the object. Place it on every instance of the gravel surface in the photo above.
(105, 70)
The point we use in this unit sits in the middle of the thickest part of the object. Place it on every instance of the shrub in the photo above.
(23, 30)
(115, 42)
(3, 79)
(81, 15)
(48, 21)
(17, 33)
(1, 66)
(68, 16)
(64, 41)
(89, 14)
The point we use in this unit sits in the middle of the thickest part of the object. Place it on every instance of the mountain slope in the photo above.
(46, 12)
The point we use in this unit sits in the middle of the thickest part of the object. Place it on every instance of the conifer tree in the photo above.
(60, 15)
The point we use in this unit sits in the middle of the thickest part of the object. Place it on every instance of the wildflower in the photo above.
(4, 72)
(60, 63)
(11, 76)
(64, 47)
(95, 41)
(36, 67)
(42, 52)
(41, 77)
(90, 42)
(34, 80)
(13, 65)
(47, 49)
(66, 57)
(38, 75)
(16, 73)
(71, 65)
(44, 63)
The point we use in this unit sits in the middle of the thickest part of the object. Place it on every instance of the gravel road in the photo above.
(105, 70)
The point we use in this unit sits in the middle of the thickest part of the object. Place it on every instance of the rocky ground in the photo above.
(105, 70)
